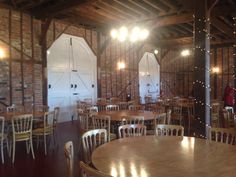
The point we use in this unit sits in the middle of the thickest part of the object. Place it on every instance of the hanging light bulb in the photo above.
(215, 70)
(135, 34)
(185, 53)
(114, 34)
(121, 65)
(123, 33)
(144, 34)
(156, 51)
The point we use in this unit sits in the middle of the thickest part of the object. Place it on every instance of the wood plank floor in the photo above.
(52, 165)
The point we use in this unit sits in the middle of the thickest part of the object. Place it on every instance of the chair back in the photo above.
(56, 115)
(93, 110)
(222, 135)
(160, 119)
(168, 116)
(22, 124)
(226, 118)
(169, 130)
(112, 108)
(88, 171)
(102, 122)
(132, 120)
(91, 140)
(83, 121)
(2, 124)
(69, 155)
(130, 130)
(135, 107)
(48, 121)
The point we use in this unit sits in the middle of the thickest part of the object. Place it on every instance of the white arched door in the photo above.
(72, 74)
(149, 77)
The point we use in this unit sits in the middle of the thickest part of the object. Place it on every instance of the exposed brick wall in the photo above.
(20, 36)
(177, 72)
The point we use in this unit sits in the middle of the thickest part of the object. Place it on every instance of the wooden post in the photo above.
(215, 74)
(43, 41)
(99, 93)
(201, 68)
(234, 54)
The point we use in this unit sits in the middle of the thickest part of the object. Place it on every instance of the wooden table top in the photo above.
(151, 156)
(117, 115)
(8, 115)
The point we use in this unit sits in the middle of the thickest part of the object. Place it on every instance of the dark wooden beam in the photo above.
(158, 5)
(45, 26)
(201, 69)
(173, 20)
(50, 11)
(133, 7)
(222, 27)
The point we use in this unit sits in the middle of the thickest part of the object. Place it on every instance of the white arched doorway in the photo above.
(72, 74)
(149, 77)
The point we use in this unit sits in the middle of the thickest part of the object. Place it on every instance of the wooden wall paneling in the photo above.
(21, 58)
(222, 71)
(32, 64)
(228, 64)
(10, 57)
(99, 65)
(105, 67)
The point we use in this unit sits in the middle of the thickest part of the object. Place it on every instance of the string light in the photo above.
(1, 53)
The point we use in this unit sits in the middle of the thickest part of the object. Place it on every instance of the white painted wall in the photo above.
(72, 70)
(149, 76)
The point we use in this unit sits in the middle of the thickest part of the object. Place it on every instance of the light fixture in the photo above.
(185, 53)
(123, 33)
(121, 65)
(215, 70)
(144, 34)
(1, 53)
(135, 34)
(114, 33)
(48, 52)
(156, 51)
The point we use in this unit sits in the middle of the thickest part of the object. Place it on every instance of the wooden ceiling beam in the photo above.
(113, 10)
(157, 5)
(50, 11)
(222, 27)
(173, 20)
(170, 4)
(121, 8)
(133, 7)
(145, 6)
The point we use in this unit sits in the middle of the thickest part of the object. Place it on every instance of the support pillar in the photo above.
(201, 68)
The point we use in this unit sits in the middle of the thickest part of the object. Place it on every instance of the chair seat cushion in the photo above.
(42, 131)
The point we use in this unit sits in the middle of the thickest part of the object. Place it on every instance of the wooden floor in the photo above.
(52, 165)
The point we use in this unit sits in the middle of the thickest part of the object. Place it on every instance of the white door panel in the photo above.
(72, 74)
(149, 76)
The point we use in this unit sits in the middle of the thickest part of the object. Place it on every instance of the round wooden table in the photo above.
(117, 115)
(151, 156)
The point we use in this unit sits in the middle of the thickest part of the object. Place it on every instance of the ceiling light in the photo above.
(185, 53)
(123, 33)
(114, 34)
(121, 65)
(135, 34)
(215, 70)
(156, 51)
(144, 34)
(1, 53)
